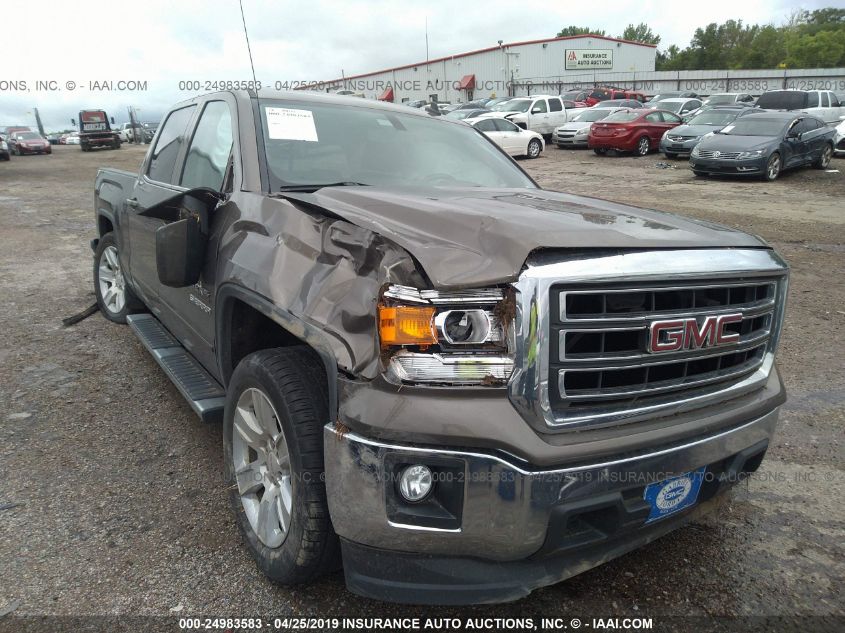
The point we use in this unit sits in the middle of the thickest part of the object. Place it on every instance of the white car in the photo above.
(839, 138)
(72, 139)
(680, 106)
(575, 133)
(539, 113)
(729, 98)
(509, 136)
(822, 104)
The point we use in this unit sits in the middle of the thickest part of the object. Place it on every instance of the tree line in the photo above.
(808, 39)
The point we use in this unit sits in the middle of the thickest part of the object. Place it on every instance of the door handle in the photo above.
(132, 202)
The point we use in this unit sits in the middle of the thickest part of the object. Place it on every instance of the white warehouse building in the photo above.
(533, 67)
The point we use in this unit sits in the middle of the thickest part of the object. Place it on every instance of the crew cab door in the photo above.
(557, 114)
(796, 142)
(202, 164)
(538, 117)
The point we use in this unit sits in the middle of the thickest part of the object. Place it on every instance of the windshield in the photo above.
(755, 126)
(717, 99)
(672, 106)
(591, 114)
(319, 144)
(514, 105)
(622, 117)
(27, 136)
(713, 117)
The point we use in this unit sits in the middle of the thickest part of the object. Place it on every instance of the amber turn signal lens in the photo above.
(406, 325)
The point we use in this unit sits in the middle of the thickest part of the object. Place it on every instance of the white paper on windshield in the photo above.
(727, 129)
(289, 124)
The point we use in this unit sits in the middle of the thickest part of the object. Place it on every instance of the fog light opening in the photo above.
(415, 482)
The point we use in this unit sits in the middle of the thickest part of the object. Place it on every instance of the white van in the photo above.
(823, 104)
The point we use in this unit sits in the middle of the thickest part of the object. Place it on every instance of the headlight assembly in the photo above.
(695, 151)
(455, 338)
(755, 154)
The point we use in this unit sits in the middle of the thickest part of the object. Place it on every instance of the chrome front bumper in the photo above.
(506, 508)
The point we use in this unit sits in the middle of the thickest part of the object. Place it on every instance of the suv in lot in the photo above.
(463, 385)
(823, 104)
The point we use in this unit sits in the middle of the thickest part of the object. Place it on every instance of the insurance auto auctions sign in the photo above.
(588, 58)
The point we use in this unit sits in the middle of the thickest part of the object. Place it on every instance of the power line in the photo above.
(246, 35)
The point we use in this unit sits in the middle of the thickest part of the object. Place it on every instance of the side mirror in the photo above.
(73, 122)
(112, 120)
(536, 110)
(180, 252)
(842, 118)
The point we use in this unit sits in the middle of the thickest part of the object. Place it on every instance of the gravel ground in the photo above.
(111, 496)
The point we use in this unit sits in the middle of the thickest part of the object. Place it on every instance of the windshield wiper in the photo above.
(313, 188)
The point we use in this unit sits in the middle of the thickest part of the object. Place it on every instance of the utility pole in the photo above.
(426, 39)
(38, 122)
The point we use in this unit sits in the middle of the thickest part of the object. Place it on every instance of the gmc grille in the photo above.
(601, 358)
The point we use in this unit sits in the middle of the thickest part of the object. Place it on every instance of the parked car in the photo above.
(823, 104)
(22, 143)
(764, 145)
(679, 141)
(7, 132)
(839, 139)
(573, 105)
(680, 106)
(619, 103)
(5, 154)
(491, 105)
(72, 139)
(95, 131)
(473, 105)
(607, 94)
(685, 94)
(467, 388)
(513, 139)
(419, 103)
(728, 98)
(633, 131)
(460, 114)
(575, 132)
(53, 139)
(579, 97)
(539, 113)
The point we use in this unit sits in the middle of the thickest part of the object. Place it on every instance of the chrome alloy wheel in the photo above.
(827, 154)
(262, 467)
(643, 146)
(112, 282)
(773, 168)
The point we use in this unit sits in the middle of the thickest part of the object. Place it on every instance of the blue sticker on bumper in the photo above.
(673, 495)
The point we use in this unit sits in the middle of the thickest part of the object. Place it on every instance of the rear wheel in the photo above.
(534, 148)
(643, 146)
(824, 160)
(773, 168)
(600, 151)
(276, 406)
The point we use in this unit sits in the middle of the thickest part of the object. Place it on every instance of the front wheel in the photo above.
(534, 148)
(643, 146)
(276, 406)
(600, 151)
(823, 161)
(114, 297)
(773, 168)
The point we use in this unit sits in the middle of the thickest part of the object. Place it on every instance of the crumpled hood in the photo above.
(466, 237)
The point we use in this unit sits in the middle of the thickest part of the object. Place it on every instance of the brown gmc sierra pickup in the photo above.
(459, 384)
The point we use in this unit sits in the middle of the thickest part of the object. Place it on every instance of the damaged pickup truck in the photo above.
(463, 386)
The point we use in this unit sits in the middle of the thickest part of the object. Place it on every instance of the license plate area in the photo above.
(673, 495)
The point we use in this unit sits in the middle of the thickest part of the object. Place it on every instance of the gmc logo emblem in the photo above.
(683, 334)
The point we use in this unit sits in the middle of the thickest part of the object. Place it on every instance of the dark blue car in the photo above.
(763, 145)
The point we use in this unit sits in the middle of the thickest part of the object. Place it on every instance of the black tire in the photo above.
(294, 380)
(823, 161)
(600, 151)
(773, 167)
(534, 148)
(643, 148)
(131, 303)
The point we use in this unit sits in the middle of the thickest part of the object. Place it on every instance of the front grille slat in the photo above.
(602, 360)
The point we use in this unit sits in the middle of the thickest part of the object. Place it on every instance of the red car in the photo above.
(29, 143)
(596, 95)
(632, 131)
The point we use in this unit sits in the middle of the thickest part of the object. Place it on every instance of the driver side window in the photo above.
(503, 125)
(170, 140)
(539, 106)
(208, 155)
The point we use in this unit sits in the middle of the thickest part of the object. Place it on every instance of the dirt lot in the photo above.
(111, 497)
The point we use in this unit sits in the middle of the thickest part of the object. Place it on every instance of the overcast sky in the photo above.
(165, 41)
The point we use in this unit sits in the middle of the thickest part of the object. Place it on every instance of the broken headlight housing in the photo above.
(462, 337)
